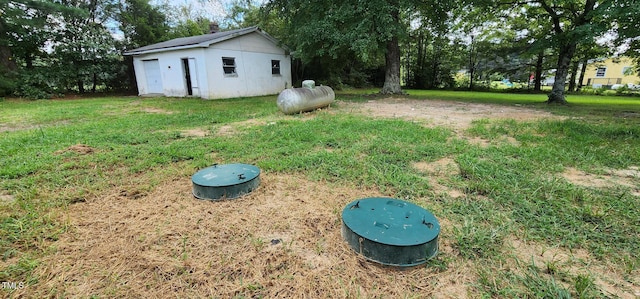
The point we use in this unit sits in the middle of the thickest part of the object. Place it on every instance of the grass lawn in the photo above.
(530, 208)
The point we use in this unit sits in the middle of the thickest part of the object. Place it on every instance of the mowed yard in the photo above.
(535, 201)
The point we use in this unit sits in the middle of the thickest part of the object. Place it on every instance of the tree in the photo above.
(84, 49)
(186, 21)
(142, 24)
(584, 52)
(534, 33)
(431, 59)
(335, 28)
(86, 54)
(573, 22)
(628, 31)
(25, 26)
(190, 27)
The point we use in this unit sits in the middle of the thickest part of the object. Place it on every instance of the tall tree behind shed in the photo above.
(573, 22)
(330, 28)
(142, 24)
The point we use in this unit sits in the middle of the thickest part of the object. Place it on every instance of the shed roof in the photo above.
(200, 41)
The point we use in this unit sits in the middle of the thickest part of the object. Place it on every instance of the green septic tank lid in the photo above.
(225, 181)
(390, 231)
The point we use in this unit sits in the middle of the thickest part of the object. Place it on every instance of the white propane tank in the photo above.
(307, 98)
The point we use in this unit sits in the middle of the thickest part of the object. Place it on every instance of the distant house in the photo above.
(236, 63)
(611, 71)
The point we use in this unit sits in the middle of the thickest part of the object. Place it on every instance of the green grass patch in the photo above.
(510, 189)
(343, 148)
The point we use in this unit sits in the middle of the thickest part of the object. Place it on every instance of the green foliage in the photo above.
(337, 37)
(431, 60)
(189, 28)
(86, 56)
(37, 83)
(626, 14)
(7, 84)
(142, 23)
(26, 25)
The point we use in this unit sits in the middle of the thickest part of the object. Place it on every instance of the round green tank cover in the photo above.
(225, 181)
(390, 231)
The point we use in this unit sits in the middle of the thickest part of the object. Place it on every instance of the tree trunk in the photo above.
(582, 70)
(538, 77)
(574, 74)
(28, 60)
(6, 61)
(80, 86)
(471, 65)
(418, 76)
(564, 59)
(95, 83)
(435, 67)
(392, 70)
(7, 64)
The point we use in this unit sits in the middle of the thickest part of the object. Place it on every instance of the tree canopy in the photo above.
(387, 43)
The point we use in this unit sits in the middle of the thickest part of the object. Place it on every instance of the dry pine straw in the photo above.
(282, 240)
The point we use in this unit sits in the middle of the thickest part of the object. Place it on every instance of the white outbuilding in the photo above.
(227, 64)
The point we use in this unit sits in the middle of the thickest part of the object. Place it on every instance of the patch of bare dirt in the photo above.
(281, 241)
(135, 107)
(81, 149)
(156, 110)
(632, 172)
(438, 173)
(457, 115)
(227, 130)
(198, 132)
(233, 128)
(609, 279)
(629, 177)
(484, 143)
(6, 198)
(12, 128)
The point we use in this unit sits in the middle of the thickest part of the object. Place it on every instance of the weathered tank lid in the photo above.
(391, 221)
(225, 175)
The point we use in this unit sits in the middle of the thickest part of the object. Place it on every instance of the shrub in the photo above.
(35, 84)
(7, 84)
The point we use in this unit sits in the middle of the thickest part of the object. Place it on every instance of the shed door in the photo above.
(194, 77)
(154, 78)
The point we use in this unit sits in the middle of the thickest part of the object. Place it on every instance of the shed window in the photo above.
(627, 70)
(601, 71)
(229, 65)
(275, 67)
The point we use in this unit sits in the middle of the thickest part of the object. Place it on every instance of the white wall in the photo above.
(253, 74)
(253, 54)
(172, 71)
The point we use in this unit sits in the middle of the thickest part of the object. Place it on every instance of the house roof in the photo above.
(200, 41)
